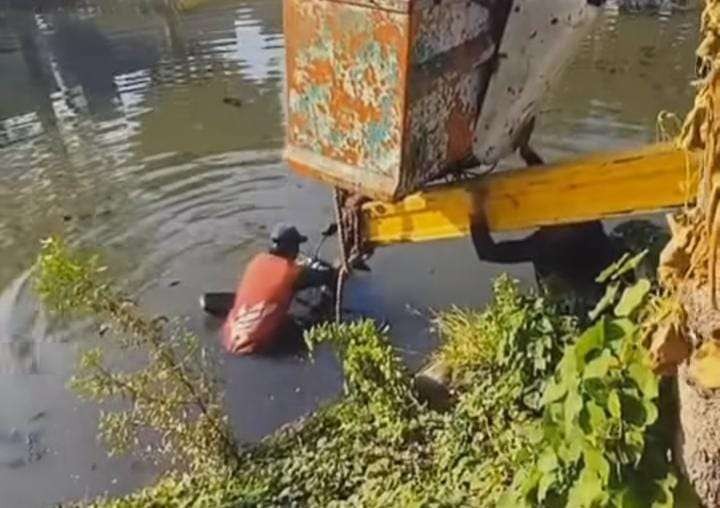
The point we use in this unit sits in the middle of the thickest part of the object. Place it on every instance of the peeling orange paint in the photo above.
(321, 72)
(388, 34)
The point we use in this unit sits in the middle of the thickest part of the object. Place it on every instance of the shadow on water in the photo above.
(157, 137)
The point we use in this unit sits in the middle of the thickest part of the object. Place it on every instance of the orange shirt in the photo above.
(262, 301)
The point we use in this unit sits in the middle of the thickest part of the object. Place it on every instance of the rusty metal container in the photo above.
(383, 95)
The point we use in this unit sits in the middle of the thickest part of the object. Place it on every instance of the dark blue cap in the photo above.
(285, 234)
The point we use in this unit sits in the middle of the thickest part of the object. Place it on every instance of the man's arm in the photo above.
(517, 251)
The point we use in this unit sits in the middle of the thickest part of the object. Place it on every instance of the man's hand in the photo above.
(480, 231)
(515, 251)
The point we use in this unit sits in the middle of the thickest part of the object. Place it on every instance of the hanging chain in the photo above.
(347, 214)
(339, 198)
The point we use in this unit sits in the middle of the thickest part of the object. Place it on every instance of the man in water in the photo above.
(259, 318)
(567, 258)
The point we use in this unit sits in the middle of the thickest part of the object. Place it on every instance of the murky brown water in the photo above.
(113, 131)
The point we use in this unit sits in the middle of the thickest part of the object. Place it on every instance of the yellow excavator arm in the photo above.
(595, 187)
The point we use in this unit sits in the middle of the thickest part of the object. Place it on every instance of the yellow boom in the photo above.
(594, 187)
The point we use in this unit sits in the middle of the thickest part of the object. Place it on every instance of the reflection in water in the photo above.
(629, 70)
(21, 324)
(115, 131)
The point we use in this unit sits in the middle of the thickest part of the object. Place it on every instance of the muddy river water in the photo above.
(115, 131)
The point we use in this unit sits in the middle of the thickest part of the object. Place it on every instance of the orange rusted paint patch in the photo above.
(321, 72)
(388, 34)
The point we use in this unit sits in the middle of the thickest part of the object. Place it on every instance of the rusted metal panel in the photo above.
(383, 95)
(347, 72)
(451, 48)
(387, 95)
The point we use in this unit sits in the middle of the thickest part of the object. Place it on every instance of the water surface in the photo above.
(115, 132)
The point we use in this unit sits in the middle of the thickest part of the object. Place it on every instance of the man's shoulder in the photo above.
(268, 262)
(267, 257)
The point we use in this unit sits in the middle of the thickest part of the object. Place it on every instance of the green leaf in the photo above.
(632, 263)
(632, 298)
(573, 406)
(622, 327)
(622, 266)
(629, 498)
(651, 412)
(587, 492)
(598, 420)
(554, 392)
(667, 487)
(548, 461)
(546, 482)
(618, 331)
(633, 408)
(607, 301)
(572, 447)
(554, 413)
(592, 340)
(610, 272)
(600, 366)
(535, 434)
(646, 380)
(568, 367)
(613, 404)
(596, 463)
(597, 389)
(635, 442)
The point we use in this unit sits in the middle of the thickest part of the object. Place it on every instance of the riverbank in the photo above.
(545, 407)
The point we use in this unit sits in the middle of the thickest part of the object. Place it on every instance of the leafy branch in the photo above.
(173, 404)
(599, 443)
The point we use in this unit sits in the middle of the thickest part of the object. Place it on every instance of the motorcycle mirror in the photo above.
(331, 230)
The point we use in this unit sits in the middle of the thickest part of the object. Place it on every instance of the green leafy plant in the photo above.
(377, 445)
(520, 334)
(599, 441)
(578, 416)
(374, 376)
(170, 407)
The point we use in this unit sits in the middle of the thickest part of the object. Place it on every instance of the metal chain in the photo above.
(347, 213)
(339, 197)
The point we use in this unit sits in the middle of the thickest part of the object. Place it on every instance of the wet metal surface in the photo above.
(157, 137)
(538, 43)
